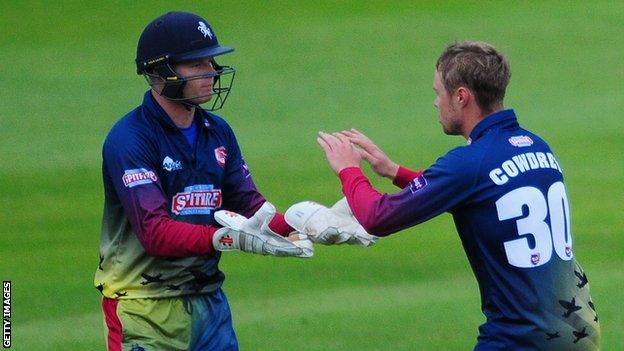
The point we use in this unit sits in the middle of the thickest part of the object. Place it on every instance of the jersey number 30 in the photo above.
(519, 252)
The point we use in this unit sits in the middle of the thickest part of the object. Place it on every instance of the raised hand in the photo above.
(380, 163)
(339, 151)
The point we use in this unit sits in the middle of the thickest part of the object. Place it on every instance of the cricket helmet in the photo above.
(177, 37)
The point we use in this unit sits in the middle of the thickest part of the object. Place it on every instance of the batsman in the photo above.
(177, 194)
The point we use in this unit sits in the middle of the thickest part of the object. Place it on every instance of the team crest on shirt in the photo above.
(417, 184)
(521, 141)
(198, 199)
(220, 155)
(138, 176)
(535, 258)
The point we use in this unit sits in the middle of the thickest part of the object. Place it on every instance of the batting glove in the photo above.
(253, 235)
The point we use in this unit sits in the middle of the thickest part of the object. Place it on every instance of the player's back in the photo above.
(515, 228)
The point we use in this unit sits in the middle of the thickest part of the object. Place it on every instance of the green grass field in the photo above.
(67, 74)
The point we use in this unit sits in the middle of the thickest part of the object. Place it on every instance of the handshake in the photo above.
(313, 222)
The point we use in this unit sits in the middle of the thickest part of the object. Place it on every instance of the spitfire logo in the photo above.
(139, 176)
(198, 199)
(418, 184)
(203, 28)
(521, 141)
(170, 165)
(221, 155)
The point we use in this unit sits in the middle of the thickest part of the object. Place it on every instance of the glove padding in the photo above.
(254, 236)
(329, 226)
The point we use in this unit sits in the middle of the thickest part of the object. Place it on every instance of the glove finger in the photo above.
(283, 251)
(263, 215)
(306, 246)
(230, 219)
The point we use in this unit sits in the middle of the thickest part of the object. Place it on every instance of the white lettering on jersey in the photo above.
(522, 163)
(198, 199)
(138, 176)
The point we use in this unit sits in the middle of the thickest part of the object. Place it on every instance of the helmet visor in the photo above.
(201, 53)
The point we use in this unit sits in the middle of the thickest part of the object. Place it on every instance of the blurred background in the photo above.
(67, 74)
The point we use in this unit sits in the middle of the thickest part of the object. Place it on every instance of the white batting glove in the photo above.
(329, 226)
(254, 236)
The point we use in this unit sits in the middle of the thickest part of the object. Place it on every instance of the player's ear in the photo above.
(462, 96)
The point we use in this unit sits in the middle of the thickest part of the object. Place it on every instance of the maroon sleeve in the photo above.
(177, 239)
(404, 176)
(360, 193)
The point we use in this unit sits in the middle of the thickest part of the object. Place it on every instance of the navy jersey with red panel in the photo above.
(160, 197)
(506, 193)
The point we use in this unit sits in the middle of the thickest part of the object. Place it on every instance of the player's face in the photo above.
(448, 112)
(199, 90)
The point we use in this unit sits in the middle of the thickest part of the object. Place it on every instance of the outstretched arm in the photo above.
(442, 186)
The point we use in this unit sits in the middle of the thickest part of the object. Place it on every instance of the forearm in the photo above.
(163, 236)
(363, 199)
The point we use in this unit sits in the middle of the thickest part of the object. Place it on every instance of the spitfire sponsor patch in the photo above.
(418, 184)
(521, 141)
(139, 176)
(220, 155)
(198, 199)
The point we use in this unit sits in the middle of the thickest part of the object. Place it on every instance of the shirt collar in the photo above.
(202, 117)
(500, 119)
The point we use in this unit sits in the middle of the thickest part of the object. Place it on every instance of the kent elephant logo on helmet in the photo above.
(205, 30)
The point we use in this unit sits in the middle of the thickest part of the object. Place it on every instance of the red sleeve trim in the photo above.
(278, 225)
(404, 176)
